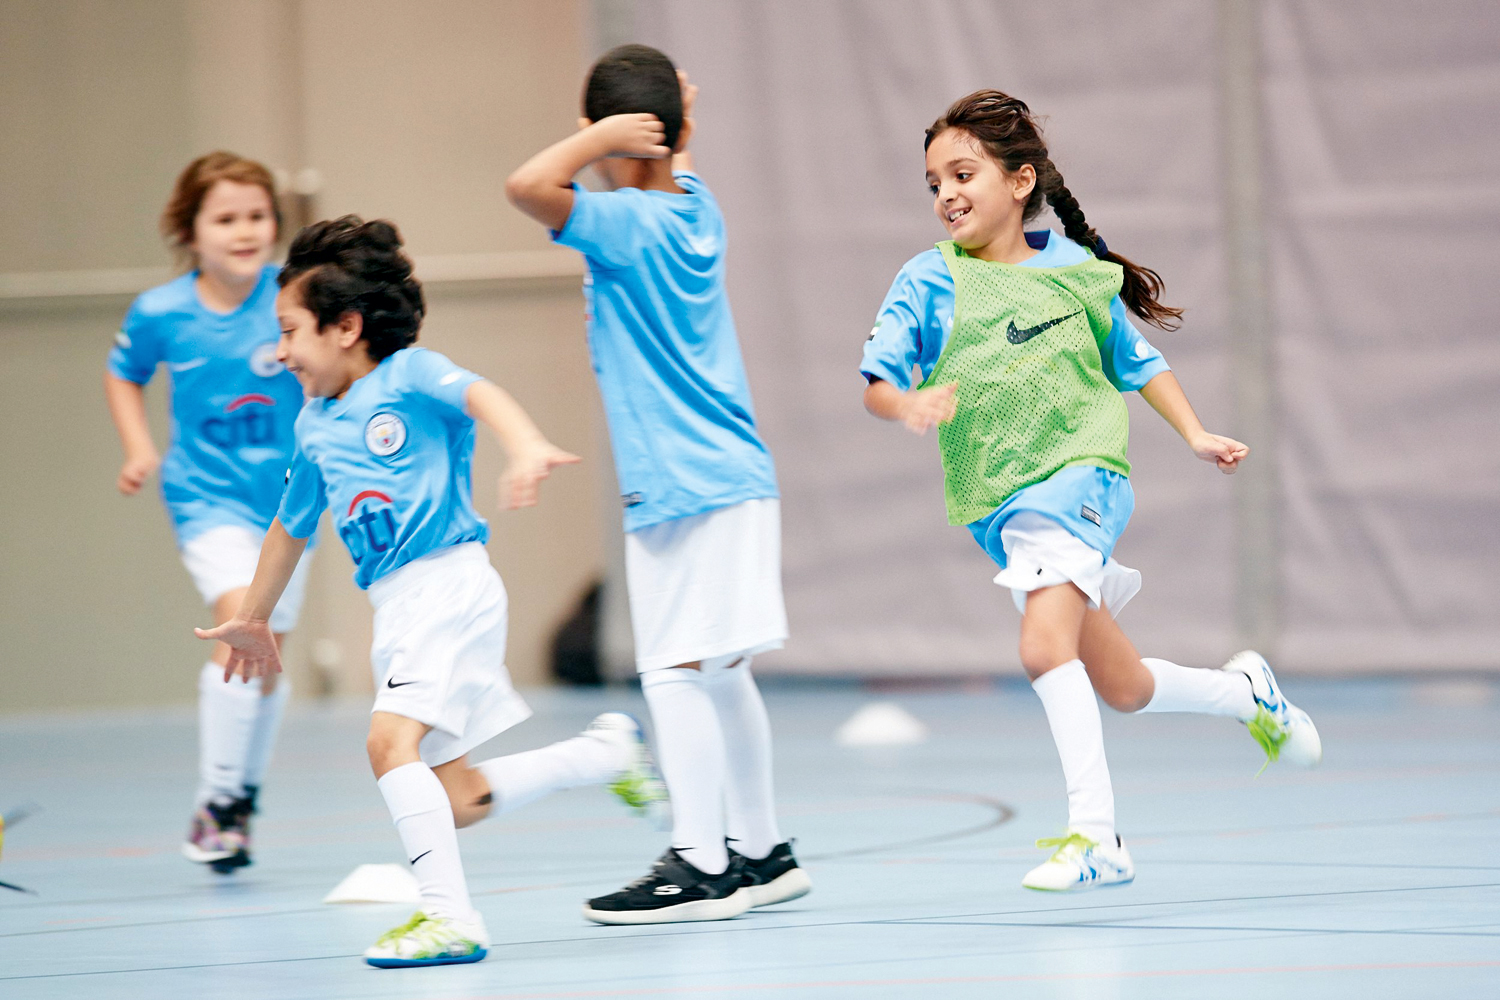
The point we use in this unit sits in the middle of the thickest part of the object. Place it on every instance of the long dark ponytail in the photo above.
(1008, 131)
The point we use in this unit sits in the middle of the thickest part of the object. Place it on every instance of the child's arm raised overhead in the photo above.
(252, 647)
(681, 158)
(127, 408)
(542, 187)
(1166, 397)
(529, 457)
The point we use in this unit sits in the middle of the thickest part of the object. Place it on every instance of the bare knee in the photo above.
(1041, 651)
(1126, 697)
(393, 742)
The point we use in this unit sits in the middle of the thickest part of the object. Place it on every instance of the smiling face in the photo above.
(234, 231)
(976, 199)
(327, 360)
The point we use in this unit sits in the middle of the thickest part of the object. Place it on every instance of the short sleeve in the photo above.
(434, 377)
(892, 347)
(304, 499)
(1129, 360)
(605, 226)
(137, 349)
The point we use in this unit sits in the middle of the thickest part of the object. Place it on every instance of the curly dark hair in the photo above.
(631, 79)
(350, 265)
(1010, 134)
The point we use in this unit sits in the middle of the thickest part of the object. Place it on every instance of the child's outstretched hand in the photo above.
(136, 470)
(641, 135)
(526, 470)
(925, 408)
(1225, 452)
(252, 648)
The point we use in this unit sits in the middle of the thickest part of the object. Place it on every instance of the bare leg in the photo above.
(1114, 666)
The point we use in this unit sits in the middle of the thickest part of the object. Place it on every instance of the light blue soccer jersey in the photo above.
(233, 404)
(664, 348)
(391, 460)
(913, 328)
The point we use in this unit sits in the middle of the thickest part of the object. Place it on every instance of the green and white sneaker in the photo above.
(1080, 863)
(430, 940)
(1282, 729)
(639, 785)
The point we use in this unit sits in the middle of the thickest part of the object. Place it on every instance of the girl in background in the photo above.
(1025, 349)
(232, 409)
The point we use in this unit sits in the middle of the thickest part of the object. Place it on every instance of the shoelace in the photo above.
(1077, 840)
(417, 919)
(1269, 733)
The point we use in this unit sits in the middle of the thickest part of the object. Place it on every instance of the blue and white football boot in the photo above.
(1080, 863)
(1282, 729)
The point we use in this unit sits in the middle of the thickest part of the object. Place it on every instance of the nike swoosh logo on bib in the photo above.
(1016, 336)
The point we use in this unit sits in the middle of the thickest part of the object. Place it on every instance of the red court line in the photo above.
(976, 980)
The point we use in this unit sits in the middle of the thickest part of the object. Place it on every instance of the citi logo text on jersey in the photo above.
(248, 421)
(373, 531)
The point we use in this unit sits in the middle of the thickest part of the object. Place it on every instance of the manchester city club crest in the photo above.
(263, 362)
(385, 434)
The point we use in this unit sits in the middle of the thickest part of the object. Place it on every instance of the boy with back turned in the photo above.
(702, 509)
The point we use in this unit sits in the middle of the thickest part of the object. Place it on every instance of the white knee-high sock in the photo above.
(1073, 714)
(749, 799)
(424, 820)
(690, 749)
(525, 777)
(263, 737)
(1194, 689)
(226, 722)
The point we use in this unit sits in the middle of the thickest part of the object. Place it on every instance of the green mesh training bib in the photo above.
(1032, 396)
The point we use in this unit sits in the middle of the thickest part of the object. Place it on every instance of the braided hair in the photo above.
(350, 265)
(1009, 133)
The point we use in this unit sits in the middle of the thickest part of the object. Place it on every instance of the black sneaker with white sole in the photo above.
(674, 891)
(775, 878)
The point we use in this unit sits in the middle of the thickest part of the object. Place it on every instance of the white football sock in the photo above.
(226, 722)
(1073, 714)
(525, 777)
(749, 800)
(690, 750)
(1194, 689)
(263, 736)
(424, 821)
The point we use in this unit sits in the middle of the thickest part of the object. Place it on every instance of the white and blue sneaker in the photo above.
(430, 940)
(1282, 729)
(639, 784)
(1079, 862)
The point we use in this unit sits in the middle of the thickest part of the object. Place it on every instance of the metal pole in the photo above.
(1257, 590)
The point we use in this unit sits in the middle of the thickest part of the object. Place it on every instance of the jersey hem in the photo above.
(704, 507)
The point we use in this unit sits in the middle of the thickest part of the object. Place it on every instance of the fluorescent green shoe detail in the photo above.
(1080, 862)
(639, 783)
(429, 940)
(1063, 843)
(1269, 733)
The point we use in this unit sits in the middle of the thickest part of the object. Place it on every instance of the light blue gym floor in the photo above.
(1376, 876)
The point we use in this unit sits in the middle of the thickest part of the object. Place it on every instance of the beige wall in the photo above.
(412, 111)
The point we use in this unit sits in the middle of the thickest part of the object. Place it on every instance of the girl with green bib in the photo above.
(1025, 347)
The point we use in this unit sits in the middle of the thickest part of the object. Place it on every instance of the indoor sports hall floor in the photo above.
(1376, 876)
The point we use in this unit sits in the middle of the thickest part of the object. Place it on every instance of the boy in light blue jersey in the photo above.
(232, 410)
(386, 444)
(702, 514)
